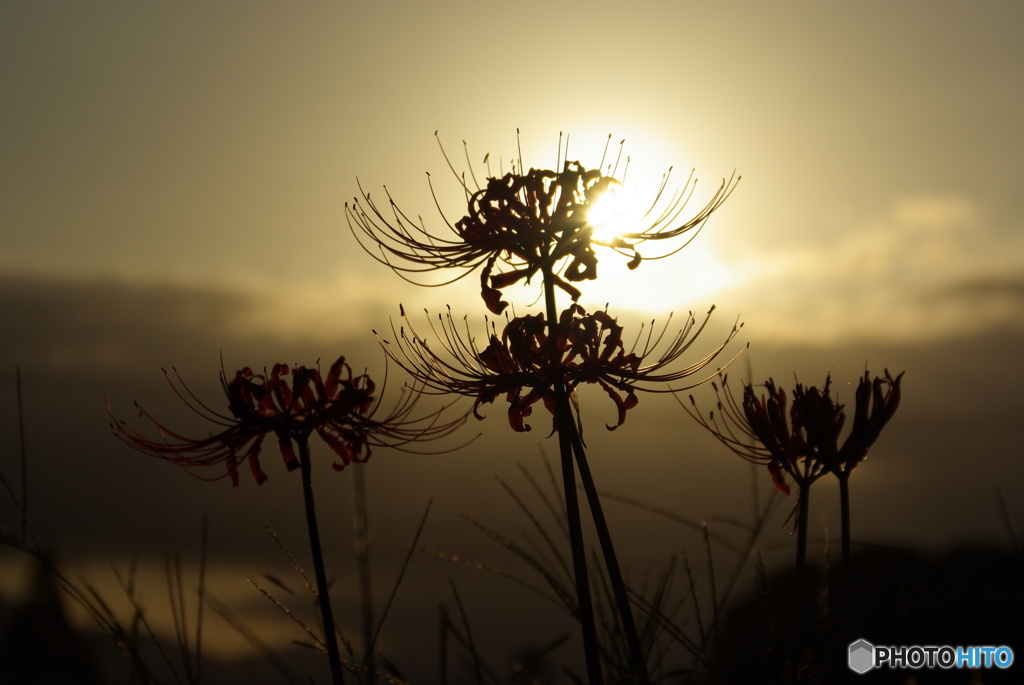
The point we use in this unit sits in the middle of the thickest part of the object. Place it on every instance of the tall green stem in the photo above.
(636, 653)
(591, 646)
(568, 432)
(563, 420)
(846, 572)
(322, 591)
(360, 523)
(801, 533)
(801, 602)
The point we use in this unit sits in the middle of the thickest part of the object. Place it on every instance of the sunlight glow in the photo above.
(612, 214)
(693, 278)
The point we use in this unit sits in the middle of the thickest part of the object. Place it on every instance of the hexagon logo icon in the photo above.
(862, 656)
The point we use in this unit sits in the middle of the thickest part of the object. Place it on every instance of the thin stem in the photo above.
(24, 459)
(360, 522)
(801, 594)
(636, 654)
(801, 532)
(563, 419)
(846, 572)
(588, 623)
(322, 591)
(201, 599)
(443, 629)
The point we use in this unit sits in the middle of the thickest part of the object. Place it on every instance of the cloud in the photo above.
(982, 289)
(125, 325)
(106, 324)
(932, 266)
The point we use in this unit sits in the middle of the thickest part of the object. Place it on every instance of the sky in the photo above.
(173, 183)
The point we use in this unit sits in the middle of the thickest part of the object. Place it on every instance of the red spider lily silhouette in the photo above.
(517, 362)
(803, 441)
(290, 404)
(524, 221)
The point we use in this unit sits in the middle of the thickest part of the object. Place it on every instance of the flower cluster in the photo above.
(516, 226)
(525, 364)
(527, 221)
(803, 440)
(291, 404)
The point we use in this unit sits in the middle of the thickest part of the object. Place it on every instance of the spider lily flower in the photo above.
(822, 420)
(519, 223)
(756, 429)
(517, 364)
(802, 441)
(291, 404)
(876, 402)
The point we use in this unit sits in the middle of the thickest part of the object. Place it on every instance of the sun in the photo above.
(688, 279)
(613, 213)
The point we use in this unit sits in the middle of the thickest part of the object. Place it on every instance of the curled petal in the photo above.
(583, 267)
(253, 458)
(621, 405)
(231, 462)
(516, 417)
(491, 296)
(288, 453)
(778, 477)
(506, 279)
